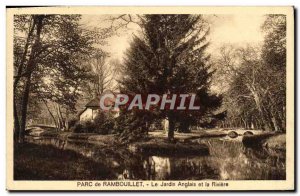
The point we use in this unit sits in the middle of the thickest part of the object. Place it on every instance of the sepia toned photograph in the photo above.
(145, 98)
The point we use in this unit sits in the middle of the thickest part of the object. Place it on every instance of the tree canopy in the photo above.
(170, 58)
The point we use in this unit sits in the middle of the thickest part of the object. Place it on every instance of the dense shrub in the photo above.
(104, 123)
(89, 127)
(77, 128)
(72, 122)
(132, 127)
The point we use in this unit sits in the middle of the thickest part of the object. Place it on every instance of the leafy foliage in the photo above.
(49, 51)
(104, 123)
(255, 96)
(170, 58)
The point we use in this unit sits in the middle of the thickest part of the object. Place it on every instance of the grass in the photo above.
(44, 162)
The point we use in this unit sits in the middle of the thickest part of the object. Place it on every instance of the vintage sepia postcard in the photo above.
(150, 98)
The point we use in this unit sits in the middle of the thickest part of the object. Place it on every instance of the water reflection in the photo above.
(228, 160)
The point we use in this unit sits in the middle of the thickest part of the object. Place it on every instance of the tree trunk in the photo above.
(24, 108)
(16, 81)
(51, 114)
(171, 128)
(259, 105)
(21, 65)
(16, 122)
(59, 121)
(30, 68)
(283, 119)
(268, 118)
(244, 121)
(67, 121)
(60, 118)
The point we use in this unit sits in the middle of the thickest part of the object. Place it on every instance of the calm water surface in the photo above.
(228, 160)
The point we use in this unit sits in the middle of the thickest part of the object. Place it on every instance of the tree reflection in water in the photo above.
(228, 160)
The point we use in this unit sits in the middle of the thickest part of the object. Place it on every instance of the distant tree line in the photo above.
(253, 80)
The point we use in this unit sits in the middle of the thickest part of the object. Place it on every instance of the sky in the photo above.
(225, 29)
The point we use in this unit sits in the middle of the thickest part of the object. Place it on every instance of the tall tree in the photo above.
(47, 48)
(170, 58)
(255, 95)
(274, 46)
(102, 72)
(274, 58)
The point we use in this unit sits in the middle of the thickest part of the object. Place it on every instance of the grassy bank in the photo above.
(44, 162)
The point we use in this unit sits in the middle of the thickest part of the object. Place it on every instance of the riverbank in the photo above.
(45, 162)
(157, 142)
(111, 139)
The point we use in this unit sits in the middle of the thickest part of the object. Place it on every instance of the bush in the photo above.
(131, 127)
(104, 124)
(72, 122)
(77, 128)
(89, 127)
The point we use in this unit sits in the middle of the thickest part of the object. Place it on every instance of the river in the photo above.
(229, 159)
